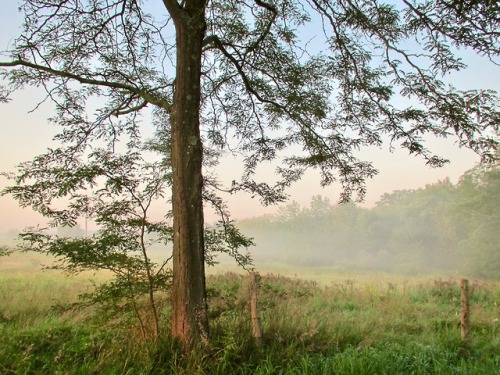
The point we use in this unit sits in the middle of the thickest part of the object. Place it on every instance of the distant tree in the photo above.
(234, 77)
(477, 211)
(319, 207)
(439, 229)
(288, 212)
(418, 228)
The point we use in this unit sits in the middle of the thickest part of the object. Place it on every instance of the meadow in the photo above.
(321, 322)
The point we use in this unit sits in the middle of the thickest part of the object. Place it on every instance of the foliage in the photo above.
(263, 87)
(114, 191)
(477, 210)
(4, 251)
(442, 228)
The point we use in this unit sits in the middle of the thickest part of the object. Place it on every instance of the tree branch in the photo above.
(147, 96)
(174, 9)
(262, 36)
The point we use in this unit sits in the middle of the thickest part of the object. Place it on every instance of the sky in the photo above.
(26, 134)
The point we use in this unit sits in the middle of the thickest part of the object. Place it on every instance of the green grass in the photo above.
(347, 325)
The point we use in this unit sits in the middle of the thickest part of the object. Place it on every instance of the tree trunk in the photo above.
(189, 314)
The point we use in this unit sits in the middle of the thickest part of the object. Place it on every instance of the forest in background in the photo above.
(443, 229)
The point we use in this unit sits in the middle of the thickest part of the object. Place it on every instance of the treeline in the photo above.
(442, 228)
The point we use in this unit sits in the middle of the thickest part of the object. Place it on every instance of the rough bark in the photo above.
(189, 315)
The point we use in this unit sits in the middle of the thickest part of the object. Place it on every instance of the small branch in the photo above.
(119, 112)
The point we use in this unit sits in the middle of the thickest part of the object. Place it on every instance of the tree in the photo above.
(116, 191)
(476, 211)
(234, 77)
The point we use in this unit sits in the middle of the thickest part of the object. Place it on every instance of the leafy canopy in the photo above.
(272, 89)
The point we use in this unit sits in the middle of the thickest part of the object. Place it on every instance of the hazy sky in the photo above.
(26, 134)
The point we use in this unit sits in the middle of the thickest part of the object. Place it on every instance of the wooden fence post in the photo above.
(464, 322)
(254, 308)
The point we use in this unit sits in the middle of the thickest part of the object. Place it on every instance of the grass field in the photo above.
(343, 324)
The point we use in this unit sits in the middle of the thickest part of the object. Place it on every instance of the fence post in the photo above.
(254, 308)
(465, 319)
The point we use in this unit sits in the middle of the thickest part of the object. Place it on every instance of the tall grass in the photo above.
(348, 325)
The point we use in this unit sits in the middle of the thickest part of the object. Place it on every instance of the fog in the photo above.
(443, 229)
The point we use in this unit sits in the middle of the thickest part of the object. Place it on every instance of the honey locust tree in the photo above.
(251, 78)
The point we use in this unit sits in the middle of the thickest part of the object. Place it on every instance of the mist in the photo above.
(443, 229)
